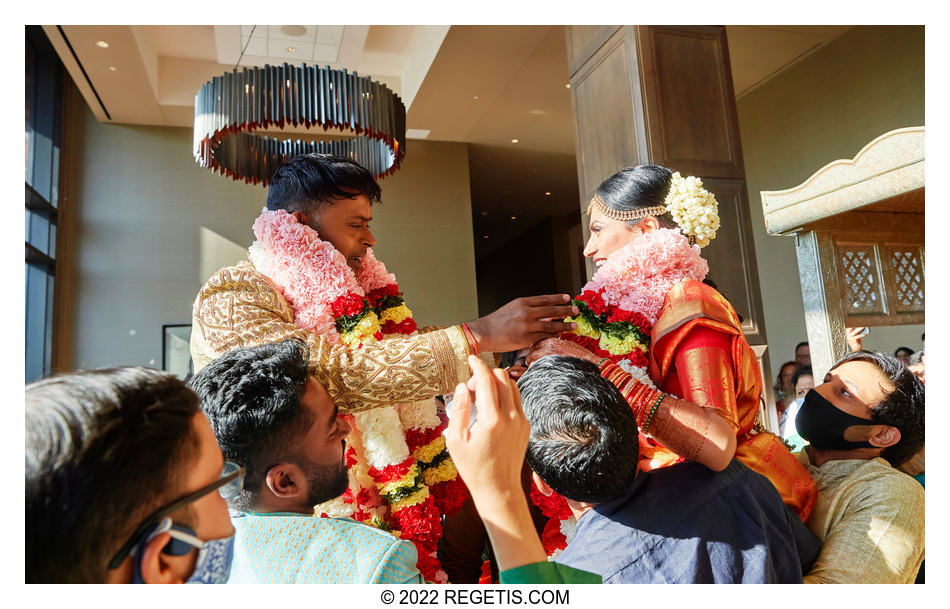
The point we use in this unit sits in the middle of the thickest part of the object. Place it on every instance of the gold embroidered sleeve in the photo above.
(394, 370)
(239, 307)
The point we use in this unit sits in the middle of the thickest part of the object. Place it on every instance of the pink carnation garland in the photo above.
(638, 276)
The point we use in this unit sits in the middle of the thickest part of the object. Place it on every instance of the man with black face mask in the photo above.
(865, 419)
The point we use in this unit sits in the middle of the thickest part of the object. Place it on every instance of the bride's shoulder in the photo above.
(690, 289)
(691, 299)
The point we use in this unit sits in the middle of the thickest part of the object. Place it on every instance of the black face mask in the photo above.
(823, 424)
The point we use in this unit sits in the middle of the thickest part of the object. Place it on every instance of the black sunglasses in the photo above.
(229, 485)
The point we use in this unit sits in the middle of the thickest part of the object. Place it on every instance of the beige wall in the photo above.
(145, 224)
(868, 81)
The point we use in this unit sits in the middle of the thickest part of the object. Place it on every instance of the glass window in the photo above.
(43, 108)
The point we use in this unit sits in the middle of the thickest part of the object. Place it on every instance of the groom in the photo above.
(316, 200)
(239, 306)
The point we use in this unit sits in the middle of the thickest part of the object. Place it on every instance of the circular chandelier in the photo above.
(230, 108)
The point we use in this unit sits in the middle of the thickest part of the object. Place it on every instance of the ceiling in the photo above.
(484, 85)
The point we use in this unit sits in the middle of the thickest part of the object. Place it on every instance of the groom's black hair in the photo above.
(307, 182)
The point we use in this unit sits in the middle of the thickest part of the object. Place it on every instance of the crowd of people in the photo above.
(325, 438)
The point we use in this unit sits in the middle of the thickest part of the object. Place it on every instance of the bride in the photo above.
(671, 344)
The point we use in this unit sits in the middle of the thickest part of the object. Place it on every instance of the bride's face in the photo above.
(608, 235)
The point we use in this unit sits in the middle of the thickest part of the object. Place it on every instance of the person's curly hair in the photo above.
(252, 397)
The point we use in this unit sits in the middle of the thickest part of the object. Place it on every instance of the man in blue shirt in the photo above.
(680, 524)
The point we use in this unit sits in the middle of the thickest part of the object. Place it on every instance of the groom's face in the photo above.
(345, 224)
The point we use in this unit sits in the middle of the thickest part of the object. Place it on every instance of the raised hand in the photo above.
(522, 322)
(489, 455)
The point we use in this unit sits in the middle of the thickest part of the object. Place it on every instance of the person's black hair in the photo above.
(804, 343)
(104, 448)
(800, 372)
(902, 408)
(252, 396)
(583, 440)
(636, 188)
(308, 182)
(507, 359)
(715, 286)
(907, 350)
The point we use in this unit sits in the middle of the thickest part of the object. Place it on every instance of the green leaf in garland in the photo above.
(390, 301)
(404, 491)
(589, 316)
(623, 329)
(346, 323)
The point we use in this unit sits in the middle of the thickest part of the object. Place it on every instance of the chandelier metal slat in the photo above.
(231, 108)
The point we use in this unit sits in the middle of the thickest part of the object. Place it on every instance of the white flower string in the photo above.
(693, 208)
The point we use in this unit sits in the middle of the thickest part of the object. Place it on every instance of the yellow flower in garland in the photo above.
(444, 472)
(427, 453)
(620, 345)
(362, 331)
(584, 327)
(395, 314)
(413, 499)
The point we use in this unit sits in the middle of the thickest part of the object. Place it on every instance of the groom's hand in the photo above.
(523, 322)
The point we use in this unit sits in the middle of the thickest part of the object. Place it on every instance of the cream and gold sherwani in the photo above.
(240, 307)
(870, 519)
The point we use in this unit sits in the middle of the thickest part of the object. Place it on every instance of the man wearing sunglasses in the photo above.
(124, 482)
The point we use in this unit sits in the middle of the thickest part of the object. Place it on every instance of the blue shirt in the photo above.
(688, 524)
(286, 548)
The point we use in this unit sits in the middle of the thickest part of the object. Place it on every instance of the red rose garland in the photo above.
(390, 478)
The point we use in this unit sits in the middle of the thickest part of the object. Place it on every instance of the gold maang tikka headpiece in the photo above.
(627, 215)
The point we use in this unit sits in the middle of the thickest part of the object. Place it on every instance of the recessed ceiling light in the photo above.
(475, 97)
(567, 86)
(291, 49)
(514, 141)
(103, 44)
(112, 68)
(547, 194)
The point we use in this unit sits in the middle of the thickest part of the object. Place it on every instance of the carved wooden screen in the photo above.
(882, 284)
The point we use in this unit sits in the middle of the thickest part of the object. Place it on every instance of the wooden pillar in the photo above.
(664, 95)
(824, 315)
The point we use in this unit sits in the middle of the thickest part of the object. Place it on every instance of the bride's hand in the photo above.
(557, 346)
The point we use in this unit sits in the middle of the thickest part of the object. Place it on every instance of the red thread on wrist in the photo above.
(470, 337)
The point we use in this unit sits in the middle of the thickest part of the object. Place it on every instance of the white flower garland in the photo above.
(381, 445)
(638, 373)
(694, 209)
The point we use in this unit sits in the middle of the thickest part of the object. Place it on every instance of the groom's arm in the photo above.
(240, 307)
